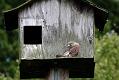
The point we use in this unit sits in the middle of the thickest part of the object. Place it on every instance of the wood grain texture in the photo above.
(58, 74)
(61, 22)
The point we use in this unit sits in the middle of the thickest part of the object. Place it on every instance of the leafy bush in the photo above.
(107, 57)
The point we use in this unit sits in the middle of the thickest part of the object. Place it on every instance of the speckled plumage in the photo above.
(72, 51)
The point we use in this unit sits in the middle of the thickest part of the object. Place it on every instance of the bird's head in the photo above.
(72, 44)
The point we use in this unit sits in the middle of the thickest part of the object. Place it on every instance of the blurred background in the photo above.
(106, 44)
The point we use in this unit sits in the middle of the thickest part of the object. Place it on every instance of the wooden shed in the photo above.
(46, 26)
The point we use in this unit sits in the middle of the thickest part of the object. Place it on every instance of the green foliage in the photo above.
(113, 8)
(106, 57)
(2, 77)
(8, 54)
(9, 50)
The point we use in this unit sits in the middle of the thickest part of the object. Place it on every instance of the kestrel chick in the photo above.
(72, 51)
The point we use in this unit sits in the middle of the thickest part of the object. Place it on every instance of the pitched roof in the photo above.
(11, 16)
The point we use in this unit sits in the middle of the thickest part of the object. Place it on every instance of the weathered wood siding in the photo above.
(58, 74)
(61, 22)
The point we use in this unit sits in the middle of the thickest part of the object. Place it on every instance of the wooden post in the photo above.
(58, 74)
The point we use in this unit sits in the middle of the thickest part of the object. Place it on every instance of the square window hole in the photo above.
(32, 34)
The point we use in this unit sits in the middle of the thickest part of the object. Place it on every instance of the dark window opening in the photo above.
(32, 34)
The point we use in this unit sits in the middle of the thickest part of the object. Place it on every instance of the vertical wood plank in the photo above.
(58, 74)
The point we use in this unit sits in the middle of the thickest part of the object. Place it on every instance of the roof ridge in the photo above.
(17, 6)
(98, 7)
(87, 1)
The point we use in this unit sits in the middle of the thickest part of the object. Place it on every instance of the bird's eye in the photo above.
(69, 45)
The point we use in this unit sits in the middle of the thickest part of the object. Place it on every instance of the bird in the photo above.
(73, 49)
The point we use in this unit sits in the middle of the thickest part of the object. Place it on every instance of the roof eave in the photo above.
(11, 16)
